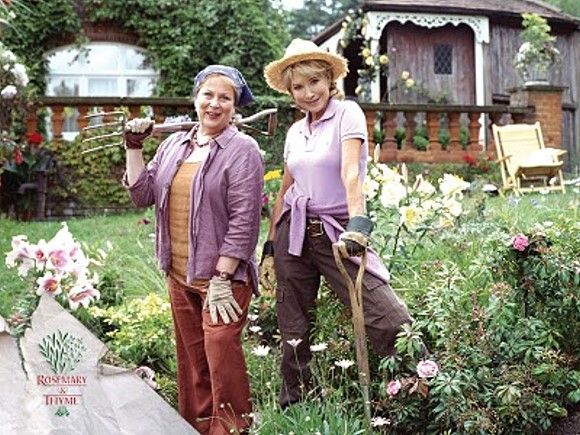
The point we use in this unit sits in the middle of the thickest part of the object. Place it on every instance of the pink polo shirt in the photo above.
(314, 159)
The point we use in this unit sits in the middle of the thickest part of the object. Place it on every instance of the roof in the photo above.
(481, 7)
(511, 9)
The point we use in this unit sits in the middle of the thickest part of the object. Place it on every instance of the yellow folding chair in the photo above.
(526, 165)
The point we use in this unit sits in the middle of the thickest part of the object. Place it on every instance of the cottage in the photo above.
(462, 51)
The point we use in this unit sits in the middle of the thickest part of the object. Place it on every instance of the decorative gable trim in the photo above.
(378, 21)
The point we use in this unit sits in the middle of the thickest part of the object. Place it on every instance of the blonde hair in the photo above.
(311, 68)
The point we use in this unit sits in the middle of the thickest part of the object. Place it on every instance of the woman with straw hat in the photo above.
(321, 200)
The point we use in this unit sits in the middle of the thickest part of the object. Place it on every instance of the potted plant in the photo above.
(537, 54)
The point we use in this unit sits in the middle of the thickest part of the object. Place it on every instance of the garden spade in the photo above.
(117, 126)
(358, 323)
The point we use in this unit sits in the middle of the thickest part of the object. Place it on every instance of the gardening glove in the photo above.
(136, 131)
(267, 272)
(220, 300)
(356, 237)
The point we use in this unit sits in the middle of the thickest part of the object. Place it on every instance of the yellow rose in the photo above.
(366, 52)
(383, 59)
(411, 216)
(405, 75)
(409, 83)
(370, 61)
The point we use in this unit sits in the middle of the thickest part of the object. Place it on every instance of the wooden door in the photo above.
(440, 60)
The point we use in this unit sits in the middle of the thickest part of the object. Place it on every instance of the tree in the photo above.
(181, 36)
(316, 15)
(571, 7)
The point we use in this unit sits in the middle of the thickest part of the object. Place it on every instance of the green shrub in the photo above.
(141, 328)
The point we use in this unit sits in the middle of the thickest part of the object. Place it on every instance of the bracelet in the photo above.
(224, 276)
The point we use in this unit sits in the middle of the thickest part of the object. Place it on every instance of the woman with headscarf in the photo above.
(206, 186)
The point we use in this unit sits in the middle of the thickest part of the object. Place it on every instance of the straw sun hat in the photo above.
(300, 50)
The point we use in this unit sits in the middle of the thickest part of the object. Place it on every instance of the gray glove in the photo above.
(220, 299)
(356, 236)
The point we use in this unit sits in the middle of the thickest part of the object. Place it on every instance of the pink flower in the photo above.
(59, 259)
(520, 242)
(82, 294)
(147, 375)
(393, 388)
(427, 369)
(265, 199)
(49, 284)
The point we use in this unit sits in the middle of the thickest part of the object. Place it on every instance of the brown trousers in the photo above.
(298, 281)
(212, 379)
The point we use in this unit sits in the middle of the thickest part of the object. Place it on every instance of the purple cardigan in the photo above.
(224, 218)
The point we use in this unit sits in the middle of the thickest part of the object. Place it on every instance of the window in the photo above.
(443, 59)
(99, 69)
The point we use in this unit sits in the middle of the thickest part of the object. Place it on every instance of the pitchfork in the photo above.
(120, 118)
(358, 322)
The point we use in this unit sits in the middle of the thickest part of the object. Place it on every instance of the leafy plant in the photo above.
(141, 328)
(538, 45)
(180, 37)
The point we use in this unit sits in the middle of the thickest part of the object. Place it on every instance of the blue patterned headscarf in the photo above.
(243, 93)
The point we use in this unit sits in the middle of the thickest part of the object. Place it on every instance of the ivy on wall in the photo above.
(35, 29)
(181, 36)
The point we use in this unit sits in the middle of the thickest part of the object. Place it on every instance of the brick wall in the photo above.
(547, 101)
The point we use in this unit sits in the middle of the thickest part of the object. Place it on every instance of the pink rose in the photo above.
(427, 369)
(393, 388)
(147, 374)
(520, 242)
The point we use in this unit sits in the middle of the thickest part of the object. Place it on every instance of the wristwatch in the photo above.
(224, 276)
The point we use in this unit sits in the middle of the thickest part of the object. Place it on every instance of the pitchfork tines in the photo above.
(115, 122)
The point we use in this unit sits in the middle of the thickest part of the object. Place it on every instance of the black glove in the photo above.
(267, 273)
(356, 236)
(136, 131)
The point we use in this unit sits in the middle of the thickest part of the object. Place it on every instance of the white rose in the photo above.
(411, 216)
(392, 194)
(19, 72)
(370, 188)
(451, 185)
(8, 56)
(9, 92)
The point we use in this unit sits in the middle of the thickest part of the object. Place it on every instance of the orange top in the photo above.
(179, 205)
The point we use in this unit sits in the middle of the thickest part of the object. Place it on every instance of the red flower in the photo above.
(470, 160)
(18, 158)
(35, 139)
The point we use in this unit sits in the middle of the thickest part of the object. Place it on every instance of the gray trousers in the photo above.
(298, 281)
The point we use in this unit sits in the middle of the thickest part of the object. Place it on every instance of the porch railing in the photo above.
(385, 122)
(396, 125)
